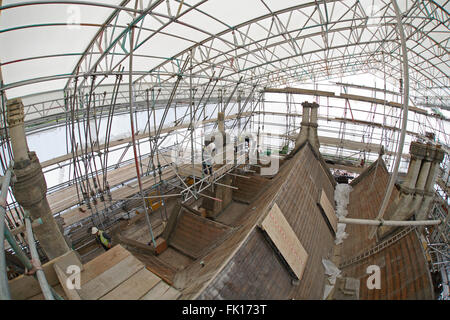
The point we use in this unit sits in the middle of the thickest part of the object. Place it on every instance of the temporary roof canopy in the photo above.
(46, 45)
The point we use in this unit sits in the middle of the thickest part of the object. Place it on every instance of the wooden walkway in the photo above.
(67, 197)
(118, 275)
(128, 190)
(138, 137)
(113, 275)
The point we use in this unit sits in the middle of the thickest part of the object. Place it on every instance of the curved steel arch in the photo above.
(257, 51)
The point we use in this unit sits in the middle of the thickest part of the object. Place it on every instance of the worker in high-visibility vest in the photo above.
(103, 238)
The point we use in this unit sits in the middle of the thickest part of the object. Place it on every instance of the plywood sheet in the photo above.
(286, 241)
(329, 210)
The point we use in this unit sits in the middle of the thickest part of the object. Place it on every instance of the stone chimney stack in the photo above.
(304, 129)
(438, 156)
(308, 130)
(313, 124)
(221, 122)
(416, 192)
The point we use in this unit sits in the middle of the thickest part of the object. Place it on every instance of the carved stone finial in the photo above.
(15, 114)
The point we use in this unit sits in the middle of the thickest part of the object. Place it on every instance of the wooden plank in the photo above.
(380, 101)
(59, 290)
(349, 168)
(138, 137)
(158, 267)
(285, 239)
(344, 143)
(103, 262)
(410, 108)
(170, 294)
(328, 209)
(156, 292)
(162, 291)
(300, 91)
(75, 215)
(136, 245)
(68, 259)
(67, 197)
(186, 171)
(344, 96)
(72, 294)
(173, 218)
(25, 287)
(193, 234)
(110, 279)
(163, 275)
(135, 287)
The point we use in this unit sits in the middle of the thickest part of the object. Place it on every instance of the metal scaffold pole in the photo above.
(192, 116)
(45, 287)
(141, 191)
(401, 140)
(4, 287)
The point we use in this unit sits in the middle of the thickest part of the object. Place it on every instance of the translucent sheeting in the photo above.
(277, 41)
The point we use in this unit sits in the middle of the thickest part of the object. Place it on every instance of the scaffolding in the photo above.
(124, 104)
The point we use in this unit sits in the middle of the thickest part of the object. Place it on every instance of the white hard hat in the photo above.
(94, 230)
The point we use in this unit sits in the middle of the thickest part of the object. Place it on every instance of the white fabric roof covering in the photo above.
(276, 42)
